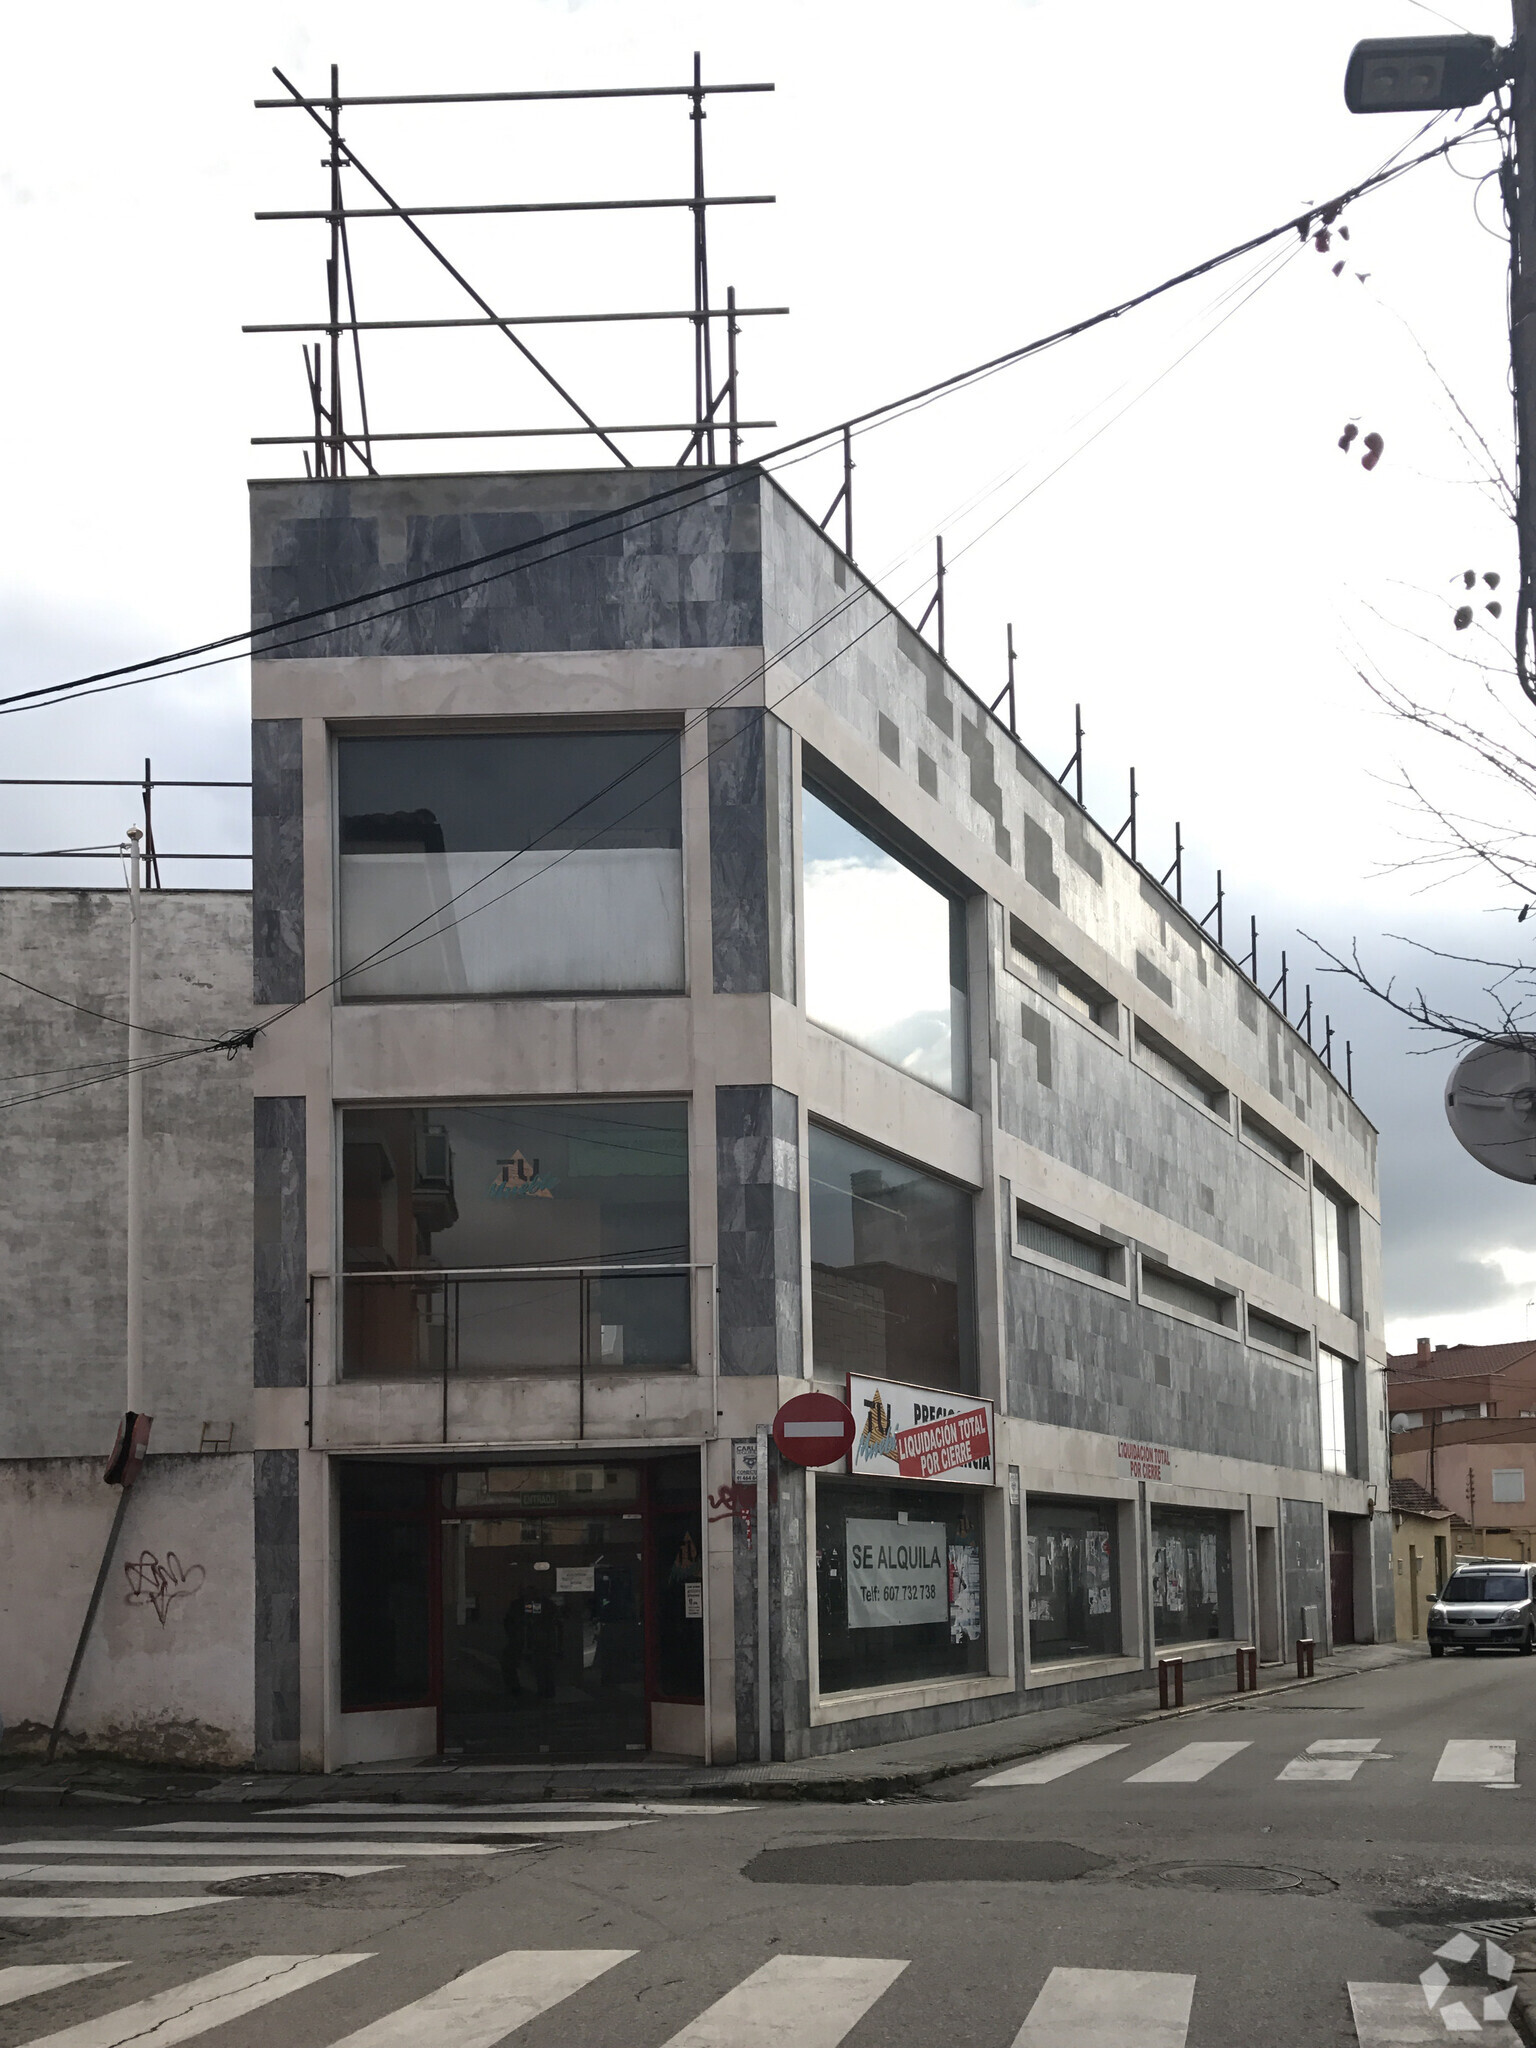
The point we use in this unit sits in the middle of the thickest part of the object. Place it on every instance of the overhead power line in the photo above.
(162, 667)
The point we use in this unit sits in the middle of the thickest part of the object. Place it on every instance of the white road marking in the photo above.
(269, 1845)
(1186, 1766)
(187, 2010)
(793, 2002)
(1476, 1763)
(486, 2003)
(185, 1873)
(25, 1980)
(1045, 1770)
(379, 1809)
(103, 1909)
(322, 1829)
(1334, 1760)
(1098, 2008)
(1399, 2016)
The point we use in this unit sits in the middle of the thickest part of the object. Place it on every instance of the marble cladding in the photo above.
(757, 1150)
(751, 861)
(601, 559)
(279, 1346)
(277, 860)
(276, 1491)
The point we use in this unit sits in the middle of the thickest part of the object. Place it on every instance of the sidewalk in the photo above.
(885, 1771)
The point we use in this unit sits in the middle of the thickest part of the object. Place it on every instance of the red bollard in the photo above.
(1304, 1651)
(1170, 1669)
(1247, 1668)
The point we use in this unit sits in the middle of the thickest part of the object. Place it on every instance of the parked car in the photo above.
(1486, 1603)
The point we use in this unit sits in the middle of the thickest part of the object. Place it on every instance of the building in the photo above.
(1463, 1423)
(173, 1671)
(1421, 1554)
(678, 990)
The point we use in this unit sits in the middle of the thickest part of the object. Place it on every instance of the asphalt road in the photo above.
(1127, 1900)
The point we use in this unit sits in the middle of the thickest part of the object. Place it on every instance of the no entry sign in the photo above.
(814, 1429)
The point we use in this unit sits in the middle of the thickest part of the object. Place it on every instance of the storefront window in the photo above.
(1074, 1579)
(884, 951)
(1191, 1576)
(899, 1573)
(892, 1293)
(386, 1576)
(454, 1189)
(503, 863)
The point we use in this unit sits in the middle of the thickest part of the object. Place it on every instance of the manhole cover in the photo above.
(1236, 1877)
(924, 1861)
(276, 1885)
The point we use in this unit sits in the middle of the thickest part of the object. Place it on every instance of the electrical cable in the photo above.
(883, 414)
(392, 949)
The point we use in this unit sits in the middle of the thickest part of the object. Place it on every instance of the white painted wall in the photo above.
(168, 1674)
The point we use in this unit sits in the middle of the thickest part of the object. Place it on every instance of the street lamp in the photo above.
(1422, 74)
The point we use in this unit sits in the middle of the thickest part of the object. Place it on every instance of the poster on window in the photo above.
(965, 1592)
(1173, 1576)
(917, 1433)
(898, 1574)
(1207, 1568)
(1100, 1598)
(1039, 1600)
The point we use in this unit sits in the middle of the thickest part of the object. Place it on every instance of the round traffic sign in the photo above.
(814, 1429)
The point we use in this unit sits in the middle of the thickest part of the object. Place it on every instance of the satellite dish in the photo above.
(1490, 1104)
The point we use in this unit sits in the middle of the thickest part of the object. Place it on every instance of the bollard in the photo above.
(1247, 1668)
(1304, 1649)
(1170, 1676)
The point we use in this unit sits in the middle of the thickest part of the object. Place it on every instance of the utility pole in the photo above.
(1518, 176)
(127, 1459)
(134, 1345)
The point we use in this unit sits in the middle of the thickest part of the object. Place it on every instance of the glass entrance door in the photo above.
(543, 1635)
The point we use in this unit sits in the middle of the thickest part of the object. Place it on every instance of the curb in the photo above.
(895, 1782)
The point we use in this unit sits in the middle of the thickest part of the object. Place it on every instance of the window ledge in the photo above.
(1059, 1267)
(904, 1699)
(1293, 1174)
(1221, 1118)
(1101, 1032)
(1203, 1652)
(1069, 1670)
(1184, 1315)
(1301, 1362)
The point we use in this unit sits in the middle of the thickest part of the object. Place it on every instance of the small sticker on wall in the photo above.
(693, 1601)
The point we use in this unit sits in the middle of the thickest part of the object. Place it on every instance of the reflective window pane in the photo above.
(428, 1192)
(1074, 1579)
(510, 863)
(1191, 1575)
(899, 1579)
(884, 952)
(892, 1287)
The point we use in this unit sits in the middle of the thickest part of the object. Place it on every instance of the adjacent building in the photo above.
(678, 990)
(1463, 1424)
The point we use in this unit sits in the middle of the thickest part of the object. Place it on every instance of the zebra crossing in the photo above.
(1335, 1760)
(814, 2001)
(126, 1872)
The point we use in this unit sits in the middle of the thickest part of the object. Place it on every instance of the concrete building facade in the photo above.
(1463, 1425)
(678, 992)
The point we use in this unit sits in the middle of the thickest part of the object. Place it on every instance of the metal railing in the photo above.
(490, 1322)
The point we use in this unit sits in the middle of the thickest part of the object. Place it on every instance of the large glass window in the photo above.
(387, 1531)
(1074, 1579)
(498, 863)
(899, 1576)
(884, 951)
(892, 1287)
(1330, 1247)
(432, 1197)
(1336, 1410)
(1191, 1576)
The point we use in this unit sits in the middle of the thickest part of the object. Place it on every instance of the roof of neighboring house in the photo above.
(1461, 1361)
(1409, 1498)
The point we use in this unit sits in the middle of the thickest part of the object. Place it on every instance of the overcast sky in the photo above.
(1161, 509)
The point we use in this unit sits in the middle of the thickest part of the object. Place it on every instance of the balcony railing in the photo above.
(490, 1322)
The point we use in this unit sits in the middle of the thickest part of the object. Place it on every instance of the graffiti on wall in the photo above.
(153, 1584)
